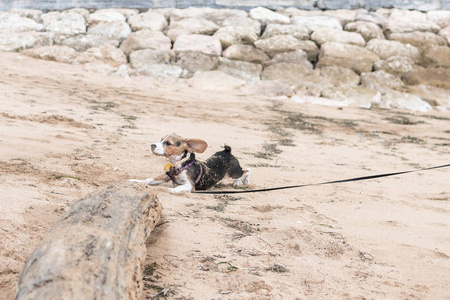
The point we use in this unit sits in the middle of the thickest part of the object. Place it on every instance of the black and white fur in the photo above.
(189, 174)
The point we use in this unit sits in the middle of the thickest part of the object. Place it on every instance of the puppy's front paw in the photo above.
(150, 181)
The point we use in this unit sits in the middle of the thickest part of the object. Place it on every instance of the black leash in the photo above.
(321, 183)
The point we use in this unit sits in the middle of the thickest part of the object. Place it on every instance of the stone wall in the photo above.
(423, 5)
(388, 58)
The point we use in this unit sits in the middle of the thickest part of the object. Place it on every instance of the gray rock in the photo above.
(338, 76)
(65, 24)
(108, 55)
(436, 57)
(191, 26)
(246, 53)
(116, 30)
(422, 5)
(105, 15)
(246, 22)
(445, 33)
(235, 35)
(162, 72)
(268, 88)
(267, 16)
(194, 61)
(149, 20)
(418, 39)
(215, 80)
(372, 17)
(15, 23)
(324, 35)
(395, 99)
(286, 72)
(354, 96)
(34, 14)
(142, 59)
(298, 31)
(315, 22)
(368, 30)
(385, 49)
(380, 80)
(348, 56)
(82, 42)
(294, 57)
(62, 54)
(278, 44)
(240, 69)
(437, 77)
(396, 65)
(198, 43)
(146, 39)
(12, 41)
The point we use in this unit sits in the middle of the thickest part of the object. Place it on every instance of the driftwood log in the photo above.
(96, 250)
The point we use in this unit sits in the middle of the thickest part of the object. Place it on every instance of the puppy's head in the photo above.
(173, 145)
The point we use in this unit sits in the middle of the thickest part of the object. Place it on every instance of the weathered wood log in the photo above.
(96, 250)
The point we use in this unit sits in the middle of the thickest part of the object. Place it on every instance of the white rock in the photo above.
(15, 23)
(240, 69)
(107, 54)
(116, 30)
(354, 96)
(162, 72)
(99, 68)
(106, 15)
(396, 65)
(122, 72)
(143, 59)
(380, 80)
(12, 41)
(394, 99)
(61, 54)
(236, 35)
(191, 26)
(146, 39)
(324, 35)
(82, 42)
(385, 49)
(66, 24)
(267, 16)
(215, 80)
(278, 44)
(198, 43)
(298, 31)
(315, 22)
(148, 20)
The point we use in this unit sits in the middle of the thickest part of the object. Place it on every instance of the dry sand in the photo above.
(65, 133)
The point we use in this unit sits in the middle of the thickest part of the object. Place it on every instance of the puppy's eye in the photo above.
(167, 143)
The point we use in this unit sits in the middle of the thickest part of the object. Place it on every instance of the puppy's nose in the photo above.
(153, 146)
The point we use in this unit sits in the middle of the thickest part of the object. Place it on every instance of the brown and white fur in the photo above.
(189, 174)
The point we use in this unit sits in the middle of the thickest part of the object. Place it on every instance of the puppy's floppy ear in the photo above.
(196, 145)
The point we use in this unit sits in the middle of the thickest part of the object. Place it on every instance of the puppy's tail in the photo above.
(226, 147)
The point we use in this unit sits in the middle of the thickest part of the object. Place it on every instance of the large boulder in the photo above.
(292, 57)
(278, 44)
(142, 59)
(401, 21)
(61, 54)
(385, 49)
(380, 80)
(191, 26)
(437, 57)
(82, 42)
(108, 54)
(315, 22)
(298, 31)
(418, 39)
(231, 35)
(240, 69)
(246, 22)
(395, 99)
(440, 17)
(338, 77)
(372, 17)
(349, 56)
(195, 61)
(396, 65)
(149, 20)
(445, 33)
(437, 77)
(286, 72)
(311, 49)
(198, 43)
(267, 16)
(325, 35)
(15, 23)
(146, 39)
(246, 53)
(17, 41)
(106, 15)
(65, 24)
(368, 30)
(118, 30)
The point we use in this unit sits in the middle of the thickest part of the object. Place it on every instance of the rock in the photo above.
(311, 49)
(106, 15)
(65, 24)
(108, 54)
(368, 30)
(286, 72)
(15, 23)
(246, 53)
(196, 61)
(99, 68)
(298, 31)
(235, 35)
(435, 96)
(315, 22)
(278, 44)
(338, 77)
(218, 16)
(149, 20)
(215, 80)
(126, 12)
(82, 11)
(266, 16)
(268, 88)
(162, 72)
(324, 35)
(440, 17)
(214, 15)
(395, 99)
(354, 96)
(198, 43)
(348, 56)
(437, 77)
(34, 14)
(401, 21)
(82, 42)
(246, 22)
(146, 39)
(344, 16)
(385, 49)
(396, 65)
(122, 72)
(445, 33)
(418, 39)
(301, 99)
(240, 69)
(294, 57)
(299, 12)
(372, 17)
(12, 41)
(61, 54)
(380, 80)
(116, 30)
(191, 26)
(436, 57)
(142, 59)
(311, 84)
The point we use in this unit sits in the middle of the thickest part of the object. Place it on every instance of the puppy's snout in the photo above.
(153, 146)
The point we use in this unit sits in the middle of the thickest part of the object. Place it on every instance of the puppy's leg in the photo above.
(153, 181)
(183, 182)
(244, 179)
